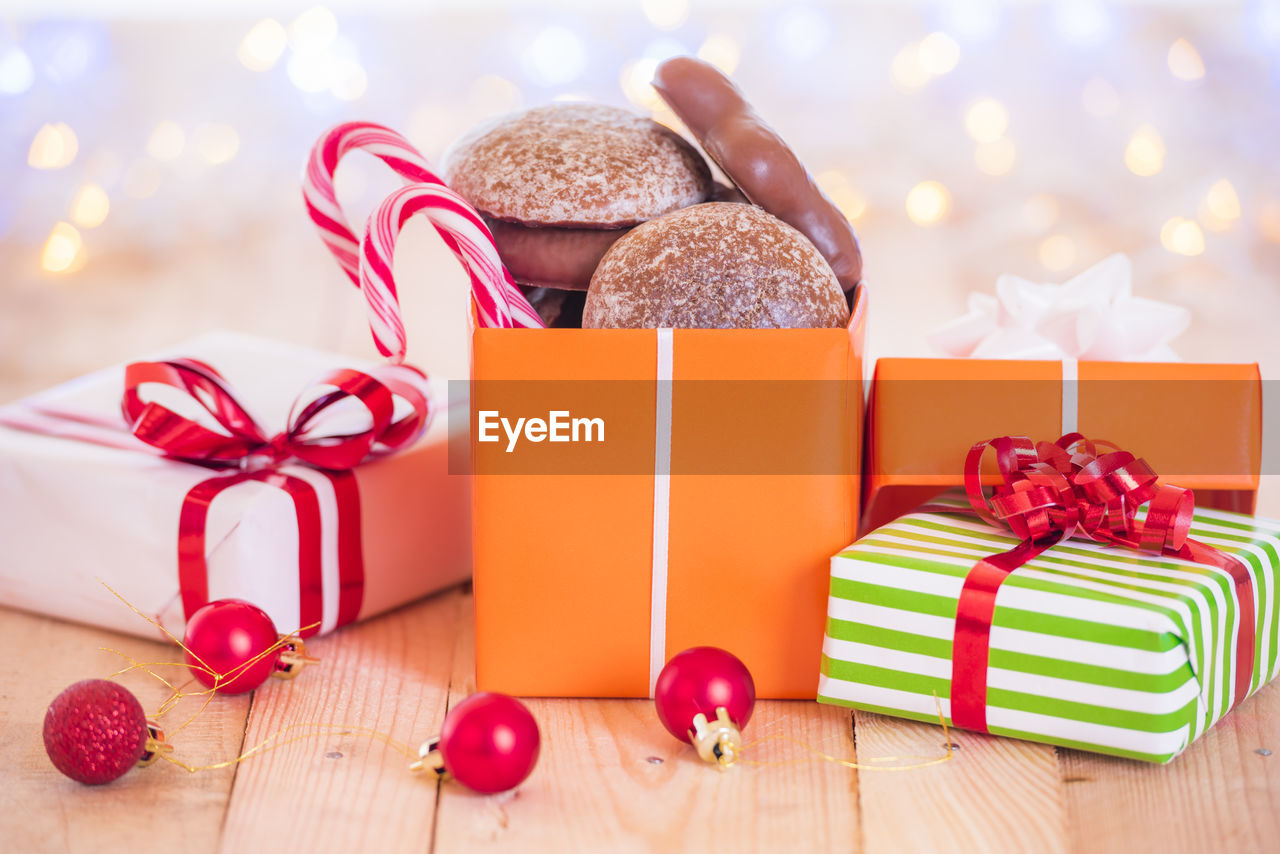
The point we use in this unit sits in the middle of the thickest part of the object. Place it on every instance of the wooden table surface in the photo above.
(609, 778)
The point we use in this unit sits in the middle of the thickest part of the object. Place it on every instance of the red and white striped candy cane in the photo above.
(317, 181)
(498, 302)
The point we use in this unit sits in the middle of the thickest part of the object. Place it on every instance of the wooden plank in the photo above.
(595, 788)
(336, 792)
(1220, 795)
(159, 808)
(996, 794)
(610, 778)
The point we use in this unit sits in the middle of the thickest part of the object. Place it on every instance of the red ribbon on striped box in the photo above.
(1050, 492)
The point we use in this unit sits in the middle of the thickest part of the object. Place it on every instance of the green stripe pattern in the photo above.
(1095, 648)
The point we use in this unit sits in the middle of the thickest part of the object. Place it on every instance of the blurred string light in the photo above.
(837, 186)
(1099, 98)
(310, 72)
(907, 71)
(215, 143)
(53, 147)
(90, 207)
(320, 60)
(636, 83)
(1083, 23)
(919, 62)
(802, 31)
(1056, 253)
(666, 14)
(1221, 206)
(973, 19)
(928, 203)
(71, 55)
(62, 249)
(721, 51)
(995, 157)
(349, 80)
(1182, 236)
(939, 54)
(262, 46)
(490, 94)
(986, 120)
(1144, 155)
(1184, 61)
(664, 48)
(664, 115)
(16, 71)
(166, 141)
(316, 33)
(636, 79)
(313, 30)
(1040, 212)
(1269, 221)
(556, 56)
(335, 70)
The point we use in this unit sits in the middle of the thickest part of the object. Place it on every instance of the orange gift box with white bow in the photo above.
(1040, 360)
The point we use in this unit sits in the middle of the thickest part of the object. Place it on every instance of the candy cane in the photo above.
(498, 302)
(317, 181)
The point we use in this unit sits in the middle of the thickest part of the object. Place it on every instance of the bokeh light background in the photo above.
(150, 163)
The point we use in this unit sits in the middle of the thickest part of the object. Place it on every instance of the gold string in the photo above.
(310, 730)
(879, 763)
(269, 743)
(177, 694)
(219, 678)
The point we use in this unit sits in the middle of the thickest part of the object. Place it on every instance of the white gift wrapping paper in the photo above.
(73, 512)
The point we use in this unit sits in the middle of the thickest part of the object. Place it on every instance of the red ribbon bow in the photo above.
(244, 445)
(1049, 492)
(187, 439)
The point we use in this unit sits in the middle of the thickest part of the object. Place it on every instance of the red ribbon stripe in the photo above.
(1050, 492)
(236, 440)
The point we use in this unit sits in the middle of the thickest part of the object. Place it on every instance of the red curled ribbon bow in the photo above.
(243, 446)
(1049, 492)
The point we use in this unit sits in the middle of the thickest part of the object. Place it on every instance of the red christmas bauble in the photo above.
(489, 742)
(223, 636)
(95, 731)
(701, 679)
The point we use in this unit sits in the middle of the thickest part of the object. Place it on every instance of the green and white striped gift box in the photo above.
(1092, 647)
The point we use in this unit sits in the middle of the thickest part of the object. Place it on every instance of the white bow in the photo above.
(1093, 316)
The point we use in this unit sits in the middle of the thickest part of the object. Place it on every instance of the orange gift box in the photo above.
(714, 474)
(1198, 425)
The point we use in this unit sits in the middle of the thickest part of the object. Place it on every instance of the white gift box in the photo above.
(75, 514)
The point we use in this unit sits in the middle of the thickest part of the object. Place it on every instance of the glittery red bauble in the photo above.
(95, 731)
(700, 680)
(225, 634)
(489, 742)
